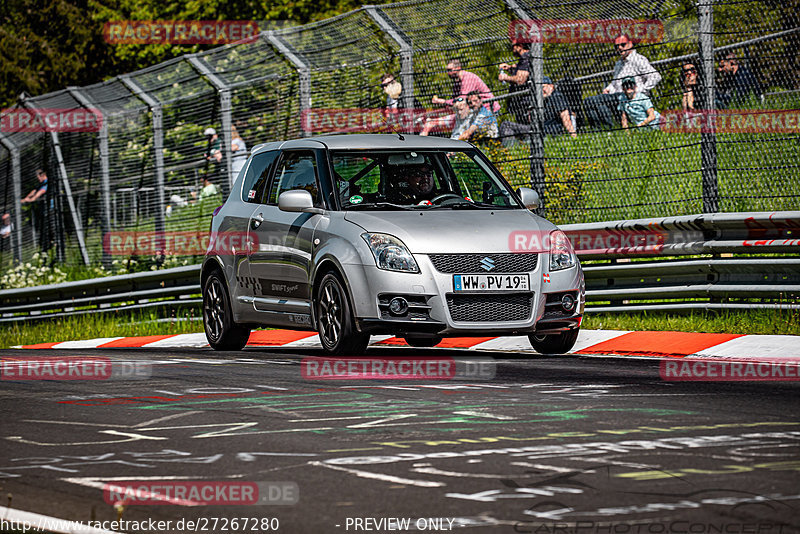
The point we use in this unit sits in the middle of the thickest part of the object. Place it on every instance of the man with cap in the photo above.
(601, 110)
(636, 107)
(556, 116)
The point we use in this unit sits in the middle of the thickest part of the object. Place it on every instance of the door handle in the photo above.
(256, 221)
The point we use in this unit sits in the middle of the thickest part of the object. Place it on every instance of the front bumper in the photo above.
(437, 309)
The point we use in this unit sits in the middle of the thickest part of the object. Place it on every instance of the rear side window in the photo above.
(297, 170)
(255, 180)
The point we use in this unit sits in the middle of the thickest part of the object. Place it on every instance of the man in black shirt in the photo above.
(518, 77)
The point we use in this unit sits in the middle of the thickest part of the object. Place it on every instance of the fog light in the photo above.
(398, 306)
(568, 302)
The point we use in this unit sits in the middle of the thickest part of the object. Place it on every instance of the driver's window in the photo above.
(297, 170)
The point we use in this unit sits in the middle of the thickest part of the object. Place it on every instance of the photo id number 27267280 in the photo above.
(491, 282)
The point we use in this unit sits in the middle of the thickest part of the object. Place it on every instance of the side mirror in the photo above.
(529, 197)
(298, 200)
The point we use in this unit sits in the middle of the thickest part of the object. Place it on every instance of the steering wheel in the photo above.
(444, 196)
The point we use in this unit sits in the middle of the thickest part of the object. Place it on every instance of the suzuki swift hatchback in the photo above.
(417, 237)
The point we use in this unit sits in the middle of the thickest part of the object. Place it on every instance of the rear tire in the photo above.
(335, 322)
(221, 330)
(423, 342)
(554, 343)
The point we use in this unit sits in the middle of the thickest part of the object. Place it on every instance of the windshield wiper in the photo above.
(377, 205)
(469, 205)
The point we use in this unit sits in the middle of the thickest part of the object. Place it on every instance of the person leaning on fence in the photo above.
(736, 84)
(694, 90)
(601, 110)
(464, 82)
(38, 192)
(557, 118)
(238, 152)
(518, 77)
(636, 107)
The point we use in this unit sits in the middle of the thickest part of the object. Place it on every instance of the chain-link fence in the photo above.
(611, 109)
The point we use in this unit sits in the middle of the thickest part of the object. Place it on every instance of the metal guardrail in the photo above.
(675, 264)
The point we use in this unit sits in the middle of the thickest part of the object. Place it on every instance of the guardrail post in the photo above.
(158, 148)
(708, 135)
(225, 111)
(16, 180)
(62, 168)
(406, 52)
(535, 86)
(104, 167)
(303, 72)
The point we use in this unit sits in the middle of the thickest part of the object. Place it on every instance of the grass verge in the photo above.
(148, 324)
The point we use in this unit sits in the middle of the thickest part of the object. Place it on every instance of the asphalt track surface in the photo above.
(551, 445)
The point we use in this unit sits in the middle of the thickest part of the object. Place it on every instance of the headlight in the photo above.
(561, 254)
(390, 253)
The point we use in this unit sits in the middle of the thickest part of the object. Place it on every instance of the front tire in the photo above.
(221, 330)
(554, 343)
(335, 322)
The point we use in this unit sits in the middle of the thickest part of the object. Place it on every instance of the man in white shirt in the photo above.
(601, 110)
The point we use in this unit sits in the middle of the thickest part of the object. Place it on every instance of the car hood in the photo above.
(456, 231)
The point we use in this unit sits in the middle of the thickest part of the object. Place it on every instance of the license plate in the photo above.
(491, 282)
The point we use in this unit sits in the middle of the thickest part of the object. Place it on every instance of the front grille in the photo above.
(490, 308)
(471, 263)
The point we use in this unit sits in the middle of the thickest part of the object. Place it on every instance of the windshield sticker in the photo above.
(356, 199)
(251, 194)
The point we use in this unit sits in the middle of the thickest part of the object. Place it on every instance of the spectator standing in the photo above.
(636, 107)
(601, 110)
(41, 219)
(556, 116)
(464, 82)
(38, 192)
(518, 77)
(736, 83)
(238, 151)
(213, 153)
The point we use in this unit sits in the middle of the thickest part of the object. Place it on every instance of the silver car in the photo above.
(417, 237)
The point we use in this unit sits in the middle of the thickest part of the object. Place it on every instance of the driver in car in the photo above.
(415, 185)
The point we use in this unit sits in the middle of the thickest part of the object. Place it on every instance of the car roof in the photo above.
(369, 142)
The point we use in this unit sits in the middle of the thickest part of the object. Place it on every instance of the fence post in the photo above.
(708, 135)
(225, 111)
(104, 167)
(536, 131)
(406, 52)
(158, 149)
(62, 169)
(16, 179)
(303, 72)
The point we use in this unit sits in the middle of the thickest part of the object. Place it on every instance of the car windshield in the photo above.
(393, 180)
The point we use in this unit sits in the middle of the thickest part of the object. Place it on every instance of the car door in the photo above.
(280, 255)
(255, 183)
